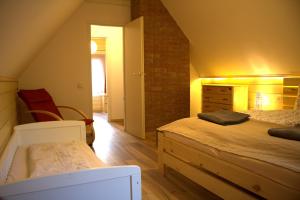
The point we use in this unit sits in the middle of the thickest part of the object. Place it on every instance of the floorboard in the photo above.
(114, 146)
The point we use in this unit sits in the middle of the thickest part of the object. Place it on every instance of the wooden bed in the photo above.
(118, 182)
(231, 177)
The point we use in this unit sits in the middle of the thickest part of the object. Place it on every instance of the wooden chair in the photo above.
(42, 107)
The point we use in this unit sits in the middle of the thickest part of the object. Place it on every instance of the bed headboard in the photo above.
(290, 91)
(8, 114)
(269, 88)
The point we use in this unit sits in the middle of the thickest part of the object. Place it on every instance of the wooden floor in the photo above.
(115, 147)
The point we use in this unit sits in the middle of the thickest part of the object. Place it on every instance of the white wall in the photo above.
(241, 37)
(63, 66)
(195, 92)
(114, 66)
(25, 27)
(8, 119)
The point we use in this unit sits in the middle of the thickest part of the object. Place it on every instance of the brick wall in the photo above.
(167, 80)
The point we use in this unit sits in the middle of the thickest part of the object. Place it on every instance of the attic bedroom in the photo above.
(155, 99)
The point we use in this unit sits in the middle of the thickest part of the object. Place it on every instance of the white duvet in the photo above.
(55, 158)
(249, 139)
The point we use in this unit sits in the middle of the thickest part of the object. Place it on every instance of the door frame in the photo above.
(107, 73)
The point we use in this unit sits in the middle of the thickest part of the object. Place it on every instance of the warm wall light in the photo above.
(265, 100)
(94, 47)
(262, 101)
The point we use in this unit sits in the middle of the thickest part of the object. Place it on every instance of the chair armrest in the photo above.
(55, 116)
(76, 110)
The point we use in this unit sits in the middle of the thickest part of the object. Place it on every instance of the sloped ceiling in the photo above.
(25, 27)
(232, 37)
(240, 37)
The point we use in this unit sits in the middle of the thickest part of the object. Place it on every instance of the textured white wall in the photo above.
(63, 65)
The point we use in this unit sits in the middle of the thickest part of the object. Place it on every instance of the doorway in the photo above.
(107, 71)
(98, 74)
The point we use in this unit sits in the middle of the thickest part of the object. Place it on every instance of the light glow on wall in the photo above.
(259, 65)
(262, 101)
(243, 80)
(265, 100)
(195, 90)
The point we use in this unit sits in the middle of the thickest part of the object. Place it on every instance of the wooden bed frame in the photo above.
(220, 177)
(121, 182)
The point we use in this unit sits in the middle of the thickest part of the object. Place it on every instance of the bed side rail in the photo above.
(114, 183)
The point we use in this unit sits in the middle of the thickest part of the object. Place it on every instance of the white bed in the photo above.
(235, 162)
(95, 182)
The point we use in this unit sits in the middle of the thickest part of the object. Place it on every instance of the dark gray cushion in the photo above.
(292, 133)
(224, 117)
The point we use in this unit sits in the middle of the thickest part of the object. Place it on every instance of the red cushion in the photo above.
(39, 99)
(88, 121)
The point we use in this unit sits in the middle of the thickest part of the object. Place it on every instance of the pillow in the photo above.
(283, 117)
(224, 117)
(292, 133)
(297, 102)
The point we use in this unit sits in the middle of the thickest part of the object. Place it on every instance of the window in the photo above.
(98, 75)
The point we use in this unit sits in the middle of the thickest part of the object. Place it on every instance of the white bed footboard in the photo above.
(41, 132)
(111, 183)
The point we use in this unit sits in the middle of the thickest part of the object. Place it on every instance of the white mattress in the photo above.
(51, 158)
(246, 145)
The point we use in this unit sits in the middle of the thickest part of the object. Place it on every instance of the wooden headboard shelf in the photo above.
(276, 92)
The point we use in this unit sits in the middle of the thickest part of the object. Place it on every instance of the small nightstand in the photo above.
(224, 97)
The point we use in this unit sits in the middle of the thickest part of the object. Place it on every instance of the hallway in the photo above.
(115, 147)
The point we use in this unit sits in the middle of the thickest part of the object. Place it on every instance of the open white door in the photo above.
(134, 78)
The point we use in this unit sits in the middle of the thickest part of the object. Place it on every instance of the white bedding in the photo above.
(249, 139)
(283, 117)
(57, 158)
(51, 158)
